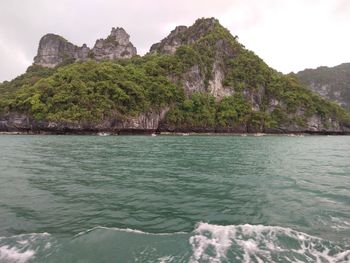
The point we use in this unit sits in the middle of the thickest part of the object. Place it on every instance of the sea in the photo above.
(165, 199)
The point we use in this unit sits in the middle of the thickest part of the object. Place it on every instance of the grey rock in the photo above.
(183, 35)
(194, 79)
(146, 122)
(330, 82)
(54, 49)
(116, 46)
(169, 44)
(216, 87)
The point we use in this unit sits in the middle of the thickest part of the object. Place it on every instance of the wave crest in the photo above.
(258, 243)
(23, 248)
(207, 243)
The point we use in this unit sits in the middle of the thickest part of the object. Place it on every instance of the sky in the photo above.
(290, 35)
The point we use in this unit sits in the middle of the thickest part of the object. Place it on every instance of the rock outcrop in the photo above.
(169, 44)
(150, 122)
(54, 49)
(117, 45)
(194, 80)
(330, 82)
(144, 123)
(226, 88)
(183, 35)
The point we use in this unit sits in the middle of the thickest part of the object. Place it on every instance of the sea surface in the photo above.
(174, 199)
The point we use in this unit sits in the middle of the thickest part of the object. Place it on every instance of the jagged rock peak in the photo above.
(120, 35)
(183, 35)
(207, 38)
(117, 45)
(54, 49)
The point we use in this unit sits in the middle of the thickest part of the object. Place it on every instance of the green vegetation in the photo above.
(247, 71)
(333, 83)
(91, 91)
(197, 111)
(94, 91)
(33, 74)
(249, 74)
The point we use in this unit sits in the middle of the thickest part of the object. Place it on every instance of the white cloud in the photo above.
(289, 35)
(293, 35)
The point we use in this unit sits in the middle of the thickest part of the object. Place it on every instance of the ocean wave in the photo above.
(258, 243)
(13, 254)
(243, 243)
(23, 248)
(129, 230)
(339, 223)
(207, 243)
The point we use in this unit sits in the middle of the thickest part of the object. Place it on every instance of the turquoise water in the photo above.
(174, 199)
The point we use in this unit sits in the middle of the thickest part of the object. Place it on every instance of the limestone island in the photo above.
(198, 79)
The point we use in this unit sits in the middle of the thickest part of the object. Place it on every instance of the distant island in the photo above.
(332, 83)
(197, 79)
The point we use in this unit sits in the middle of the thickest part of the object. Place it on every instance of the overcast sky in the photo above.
(289, 35)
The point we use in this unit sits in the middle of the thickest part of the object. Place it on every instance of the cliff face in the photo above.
(183, 35)
(198, 78)
(117, 45)
(151, 122)
(230, 69)
(54, 49)
(169, 44)
(143, 123)
(330, 82)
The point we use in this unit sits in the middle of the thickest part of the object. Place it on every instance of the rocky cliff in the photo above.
(198, 78)
(144, 123)
(117, 45)
(183, 35)
(330, 82)
(54, 49)
(208, 74)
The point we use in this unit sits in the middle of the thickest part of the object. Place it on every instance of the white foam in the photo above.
(14, 255)
(30, 236)
(258, 243)
(215, 237)
(129, 230)
(21, 248)
(165, 259)
(339, 224)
